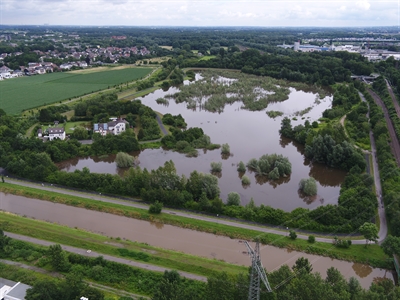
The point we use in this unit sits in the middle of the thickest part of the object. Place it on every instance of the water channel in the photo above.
(250, 135)
(179, 239)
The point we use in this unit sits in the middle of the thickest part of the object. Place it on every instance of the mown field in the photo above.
(19, 94)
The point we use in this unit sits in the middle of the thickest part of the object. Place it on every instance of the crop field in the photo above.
(19, 94)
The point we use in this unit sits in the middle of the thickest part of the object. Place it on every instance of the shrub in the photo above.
(216, 167)
(225, 149)
(124, 160)
(311, 239)
(292, 234)
(233, 199)
(308, 186)
(241, 167)
(156, 208)
(246, 180)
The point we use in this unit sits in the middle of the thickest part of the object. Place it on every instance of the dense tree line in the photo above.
(390, 173)
(298, 282)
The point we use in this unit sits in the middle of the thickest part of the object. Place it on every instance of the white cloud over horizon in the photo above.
(200, 13)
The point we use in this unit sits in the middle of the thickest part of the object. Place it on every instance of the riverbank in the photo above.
(117, 247)
(372, 255)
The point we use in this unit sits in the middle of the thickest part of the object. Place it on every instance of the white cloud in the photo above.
(365, 5)
(201, 13)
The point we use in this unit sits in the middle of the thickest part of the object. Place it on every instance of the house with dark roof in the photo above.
(56, 133)
(116, 126)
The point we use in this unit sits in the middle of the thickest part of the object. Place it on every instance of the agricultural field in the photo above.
(19, 94)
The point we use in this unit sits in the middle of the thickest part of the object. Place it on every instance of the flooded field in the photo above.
(179, 239)
(250, 134)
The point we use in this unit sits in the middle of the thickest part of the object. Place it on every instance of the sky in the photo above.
(201, 13)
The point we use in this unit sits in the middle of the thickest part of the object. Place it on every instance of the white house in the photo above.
(56, 133)
(116, 126)
(10, 290)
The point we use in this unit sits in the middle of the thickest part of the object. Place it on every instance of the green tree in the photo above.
(156, 207)
(58, 259)
(169, 287)
(302, 266)
(391, 245)
(225, 149)
(308, 186)
(241, 167)
(233, 199)
(369, 231)
(311, 239)
(80, 133)
(124, 160)
(292, 234)
(44, 290)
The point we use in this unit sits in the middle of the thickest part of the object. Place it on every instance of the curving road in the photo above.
(84, 252)
(383, 228)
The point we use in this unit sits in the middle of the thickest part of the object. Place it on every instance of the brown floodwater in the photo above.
(250, 135)
(179, 239)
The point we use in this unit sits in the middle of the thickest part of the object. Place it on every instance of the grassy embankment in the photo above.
(372, 254)
(112, 246)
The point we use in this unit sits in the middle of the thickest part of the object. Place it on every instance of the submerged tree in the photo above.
(241, 167)
(225, 149)
(308, 186)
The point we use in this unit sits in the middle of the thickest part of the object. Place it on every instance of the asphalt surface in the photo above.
(383, 228)
(90, 253)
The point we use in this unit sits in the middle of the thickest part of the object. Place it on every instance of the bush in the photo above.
(241, 167)
(292, 234)
(246, 180)
(156, 208)
(311, 239)
(225, 149)
(308, 186)
(216, 167)
(124, 160)
(233, 199)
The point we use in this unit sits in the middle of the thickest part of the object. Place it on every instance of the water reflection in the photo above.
(178, 239)
(253, 136)
(158, 225)
(361, 270)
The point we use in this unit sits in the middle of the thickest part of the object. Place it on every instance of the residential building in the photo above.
(116, 126)
(56, 133)
(10, 290)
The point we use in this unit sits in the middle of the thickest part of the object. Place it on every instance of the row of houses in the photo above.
(116, 126)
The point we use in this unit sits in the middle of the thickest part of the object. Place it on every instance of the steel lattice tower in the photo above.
(257, 273)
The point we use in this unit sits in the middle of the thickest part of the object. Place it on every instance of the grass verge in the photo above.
(372, 255)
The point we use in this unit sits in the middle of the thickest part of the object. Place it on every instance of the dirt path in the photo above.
(383, 228)
(395, 102)
(58, 275)
(394, 143)
(85, 252)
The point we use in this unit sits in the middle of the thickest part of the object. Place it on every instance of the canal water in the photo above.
(250, 134)
(179, 239)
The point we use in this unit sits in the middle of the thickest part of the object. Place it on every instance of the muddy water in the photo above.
(250, 135)
(179, 239)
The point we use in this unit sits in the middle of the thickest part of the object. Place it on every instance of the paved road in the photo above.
(174, 212)
(106, 257)
(383, 228)
(56, 274)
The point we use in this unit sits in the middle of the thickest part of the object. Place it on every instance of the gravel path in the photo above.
(87, 253)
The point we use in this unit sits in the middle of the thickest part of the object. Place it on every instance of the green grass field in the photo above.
(27, 92)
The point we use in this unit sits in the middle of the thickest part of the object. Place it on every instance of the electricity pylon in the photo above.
(257, 272)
